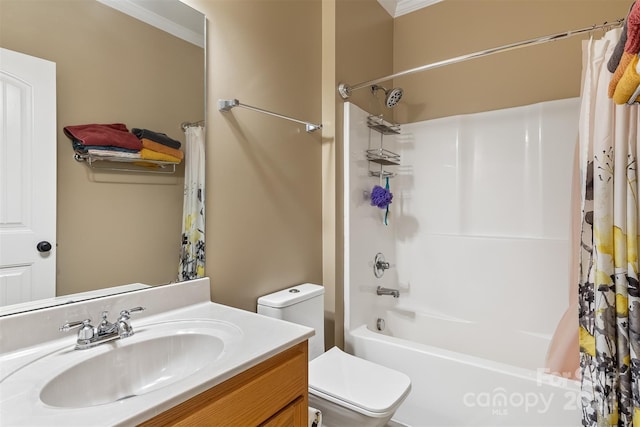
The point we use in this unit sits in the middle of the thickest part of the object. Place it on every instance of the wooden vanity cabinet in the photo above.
(271, 394)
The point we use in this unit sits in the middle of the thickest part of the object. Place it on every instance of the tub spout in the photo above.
(386, 291)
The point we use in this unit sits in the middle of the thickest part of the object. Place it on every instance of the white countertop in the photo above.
(21, 378)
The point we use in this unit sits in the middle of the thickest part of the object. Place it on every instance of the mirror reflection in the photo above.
(112, 227)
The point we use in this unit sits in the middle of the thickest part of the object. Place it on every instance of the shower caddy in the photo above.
(382, 156)
(380, 195)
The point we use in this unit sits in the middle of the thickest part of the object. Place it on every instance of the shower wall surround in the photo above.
(480, 220)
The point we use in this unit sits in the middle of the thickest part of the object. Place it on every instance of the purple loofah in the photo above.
(380, 197)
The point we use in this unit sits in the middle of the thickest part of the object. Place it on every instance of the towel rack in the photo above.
(126, 165)
(634, 98)
(185, 125)
(225, 105)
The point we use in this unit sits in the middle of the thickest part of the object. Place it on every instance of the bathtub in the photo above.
(460, 378)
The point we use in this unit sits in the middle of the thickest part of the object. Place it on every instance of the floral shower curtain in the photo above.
(192, 255)
(609, 297)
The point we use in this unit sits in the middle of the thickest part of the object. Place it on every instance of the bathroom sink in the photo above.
(183, 345)
(132, 370)
(156, 356)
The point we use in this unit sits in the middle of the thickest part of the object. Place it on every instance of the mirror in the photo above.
(114, 228)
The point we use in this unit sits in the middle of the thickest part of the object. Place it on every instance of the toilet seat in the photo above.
(357, 384)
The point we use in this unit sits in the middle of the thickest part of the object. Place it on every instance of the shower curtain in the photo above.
(192, 255)
(609, 298)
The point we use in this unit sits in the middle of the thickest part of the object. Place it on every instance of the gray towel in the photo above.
(160, 138)
(614, 60)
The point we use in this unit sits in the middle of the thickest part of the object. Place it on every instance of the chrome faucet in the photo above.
(105, 327)
(386, 291)
(90, 336)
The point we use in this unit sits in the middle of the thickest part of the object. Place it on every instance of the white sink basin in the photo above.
(132, 370)
(156, 356)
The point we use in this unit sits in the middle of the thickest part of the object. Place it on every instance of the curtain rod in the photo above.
(345, 90)
(227, 104)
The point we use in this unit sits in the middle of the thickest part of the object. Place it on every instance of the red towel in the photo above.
(115, 135)
(632, 44)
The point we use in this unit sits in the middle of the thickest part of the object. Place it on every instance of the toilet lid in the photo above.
(357, 382)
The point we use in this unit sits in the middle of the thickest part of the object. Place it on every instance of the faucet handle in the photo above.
(380, 265)
(127, 313)
(124, 327)
(86, 331)
(71, 325)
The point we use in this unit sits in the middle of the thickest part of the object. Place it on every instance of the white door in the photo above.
(27, 178)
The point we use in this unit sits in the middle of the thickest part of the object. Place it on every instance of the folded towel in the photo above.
(115, 135)
(154, 146)
(147, 165)
(627, 84)
(622, 66)
(614, 60)
(147, 154)
(160, 138)
(113, 153)
(79, 147)
(635, 97)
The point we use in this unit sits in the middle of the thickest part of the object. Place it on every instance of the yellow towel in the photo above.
(147, 165)
(147, 154)
(628, 83)
(622, 66)
(154, 146)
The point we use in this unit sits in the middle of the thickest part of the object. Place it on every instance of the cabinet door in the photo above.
(293, 415)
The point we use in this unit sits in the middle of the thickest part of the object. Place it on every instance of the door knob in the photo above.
(43, 246)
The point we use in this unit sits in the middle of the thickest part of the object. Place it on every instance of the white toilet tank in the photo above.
(301, 304)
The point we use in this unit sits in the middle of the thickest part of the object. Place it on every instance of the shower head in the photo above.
(392, 96)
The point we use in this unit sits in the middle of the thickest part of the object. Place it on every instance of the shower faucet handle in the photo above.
(383, 265)
(380, 265)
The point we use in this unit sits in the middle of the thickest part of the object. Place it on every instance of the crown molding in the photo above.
(397, 8)
(165, 23)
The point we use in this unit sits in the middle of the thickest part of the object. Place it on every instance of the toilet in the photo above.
(349, 391)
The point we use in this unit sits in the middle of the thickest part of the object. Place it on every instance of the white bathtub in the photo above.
(460, 378)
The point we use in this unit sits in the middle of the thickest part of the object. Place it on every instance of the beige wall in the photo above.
(520, 77)
(111, 68)
(364, 49)
(264, 205)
